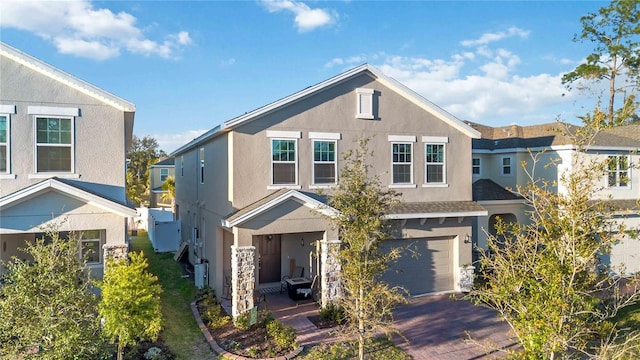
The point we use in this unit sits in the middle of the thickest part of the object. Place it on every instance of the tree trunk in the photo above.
(120, 351)
(361, 325)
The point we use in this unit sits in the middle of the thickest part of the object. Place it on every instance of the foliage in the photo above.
(169, 185)
(333, 313)
(284, 336)
(144, 153)
(614, 32)
(130, 304)
(379, 348)
(47, 309)
(181, 334)
(362, 203)
(547, 280)
(212, 313)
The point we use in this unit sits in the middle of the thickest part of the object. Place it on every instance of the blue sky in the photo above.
(190, 65)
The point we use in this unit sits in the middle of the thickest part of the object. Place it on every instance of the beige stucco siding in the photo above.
(99, 139)
(333, 111)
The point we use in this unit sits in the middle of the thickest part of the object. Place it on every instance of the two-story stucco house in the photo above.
(497, 166)
(158, 173)
(247, 191)
(62, 159)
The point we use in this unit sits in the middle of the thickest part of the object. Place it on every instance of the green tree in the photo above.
(130, 304)
(47, 310)
(546, 279)
(144, 153)
(362, 205)
(169, 185)
(614, 31)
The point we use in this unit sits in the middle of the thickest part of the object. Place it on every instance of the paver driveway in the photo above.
(435, 327)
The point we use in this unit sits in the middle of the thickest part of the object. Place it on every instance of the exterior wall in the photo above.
(482, 227)
(155, 199)
(334, 111)
(99, 130)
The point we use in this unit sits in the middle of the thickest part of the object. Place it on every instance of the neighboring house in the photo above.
(158, 173)
(62, 159)
(247, 192)
(497, 168)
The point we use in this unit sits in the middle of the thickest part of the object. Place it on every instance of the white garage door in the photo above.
(425, 266)
(626, 252)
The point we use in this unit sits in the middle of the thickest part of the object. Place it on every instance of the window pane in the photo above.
(612, 179)
(3, 158)
(53, 131)
(435, 153)
(401, 174)
(91, 251)
(54, 159)
(284, 174)
(435, 174)
(284, 150)
(506, 170)
(324, 174)
(91, 234)
(3, 129)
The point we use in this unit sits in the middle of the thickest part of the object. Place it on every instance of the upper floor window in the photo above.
(4, 144)
(402, 163)
(618, 171)
(506, 166)
(283, 162)
(324, 162)
(181, 165)
(54, 144)
(475, 166)
(434, 165)
(201, 165)
(164, 174)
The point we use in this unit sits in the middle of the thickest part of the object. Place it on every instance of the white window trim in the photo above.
(502, 165)
(401, 138)
(479, 166)
(444, 163)
(435, 139)
(325, 136)
(402, 185)
(53, 111)
(360, 112)
(48, 174)
(286, 135)
(313, 164)
(7, 111)
(617, 186)
(165, 176)
(273, 186)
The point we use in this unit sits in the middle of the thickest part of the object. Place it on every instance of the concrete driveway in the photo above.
(435, 327)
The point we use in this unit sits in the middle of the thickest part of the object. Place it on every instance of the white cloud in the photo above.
(77, 28)
(488, 38)
(306, 18)
(171, 141)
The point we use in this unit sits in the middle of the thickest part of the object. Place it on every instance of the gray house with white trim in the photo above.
(62, 159)
(247, 191)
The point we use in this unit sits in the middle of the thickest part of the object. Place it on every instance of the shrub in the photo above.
(284, 336)
(332, 312)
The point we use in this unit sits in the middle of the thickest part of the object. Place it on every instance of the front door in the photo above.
(269, 264)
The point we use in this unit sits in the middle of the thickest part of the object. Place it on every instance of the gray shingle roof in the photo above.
(557, 133)
(486, 190)
(436, 207)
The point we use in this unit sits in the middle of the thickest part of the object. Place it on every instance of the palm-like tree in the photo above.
(169, 187)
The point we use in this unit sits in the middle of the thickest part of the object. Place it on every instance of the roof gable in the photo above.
(276, 199)
(367, 69)
(68, 189)
(65, 78)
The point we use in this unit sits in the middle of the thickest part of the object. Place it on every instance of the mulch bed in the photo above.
(252, 343)
(322, 323)
(138, 353)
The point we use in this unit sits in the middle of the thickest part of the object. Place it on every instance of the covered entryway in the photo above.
(269, 259)
(426, 265)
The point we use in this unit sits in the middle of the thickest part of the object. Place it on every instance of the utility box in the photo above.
(200, 275)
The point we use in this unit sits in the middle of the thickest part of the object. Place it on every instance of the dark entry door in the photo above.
(269, 259)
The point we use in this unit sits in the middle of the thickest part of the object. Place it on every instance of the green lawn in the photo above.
(181, 333)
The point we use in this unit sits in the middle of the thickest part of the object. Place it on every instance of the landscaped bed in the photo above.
(267, 338)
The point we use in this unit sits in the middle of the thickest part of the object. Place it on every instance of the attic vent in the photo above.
(364, 103)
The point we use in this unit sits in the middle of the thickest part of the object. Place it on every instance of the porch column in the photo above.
(330, 271)
(115, 252)
(242, 279)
